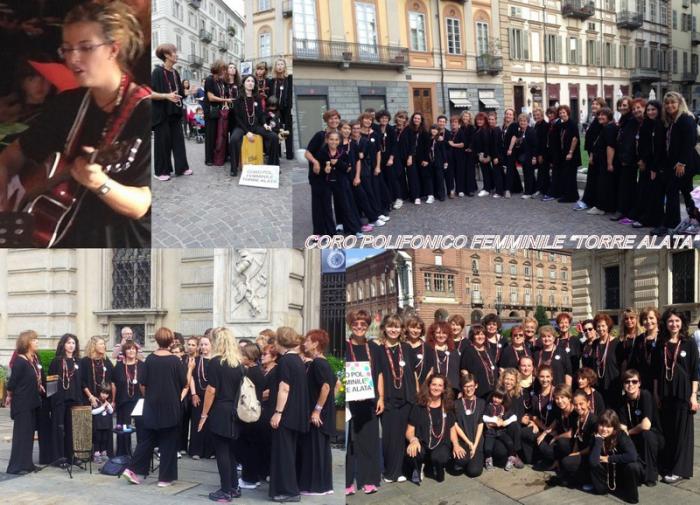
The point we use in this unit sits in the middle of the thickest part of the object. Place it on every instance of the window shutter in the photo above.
(560, 59)
(511, 42)
(579, 51)
(526, 45)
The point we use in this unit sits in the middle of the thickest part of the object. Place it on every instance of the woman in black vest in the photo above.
(65, 366)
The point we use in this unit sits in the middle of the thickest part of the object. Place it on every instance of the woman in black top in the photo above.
(539, 418)
(126, 378)
(569, 143)
(570, 346)
(190, 354)
(523, 149)
(24, 397)
(629, 329)
(651, 151)
(397, 367)
(499, 161)
(316, 467)
(454, 175)
(466, 436)
(592, 131)
(281, 87)
(645, 347)
(423, 360)
(387, 149)
(552, 154)
(432, 161)
(625, 159)
(162, 384)
(291, 417)
(480, 359)
(250, 441)
(606, 365)
(442, 352)
(249, 117)
(201, 445)
(573, 452)
(675, 391)
(603, 155)
(541, 131)
(467, 131)
(429, 428)
(96, 370)
(225, 376)
(484, 150)
(320, 190)
(614, 463)
(68, 395)
(586, 379)
(681, 159)
(508, 131)
(511, 354)
(232, 83)
(214, 99)
(415, 139)
(115, 210)
(268, 362)
(372, 178)
(553, 356)
(167, 97)
(640, 419)
(400, 129)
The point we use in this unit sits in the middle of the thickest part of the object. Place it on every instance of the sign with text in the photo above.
(261, 176)
(359, 384)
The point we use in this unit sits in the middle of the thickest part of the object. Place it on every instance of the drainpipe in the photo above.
(445, 109)
(545, 91)
(601, 50)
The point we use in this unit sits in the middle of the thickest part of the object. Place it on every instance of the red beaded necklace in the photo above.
(397, 380)
(436, 435)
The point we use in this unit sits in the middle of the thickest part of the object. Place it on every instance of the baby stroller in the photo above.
(196, 130)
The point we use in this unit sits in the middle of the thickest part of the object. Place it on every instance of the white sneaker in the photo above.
(384, 218)
(483, 192)
(526, 197)
(378, 222)
(507, 194)
(595, 211)
(179, 456)
(417, 201)
(536, 193)
(430, 199)
(461, 195)
(339, 227)
(247, 485)
(398, 204)
(401, 479)
(496, 195)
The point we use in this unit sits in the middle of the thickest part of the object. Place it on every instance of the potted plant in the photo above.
(4, 372)
(231, 31)
(338, 366)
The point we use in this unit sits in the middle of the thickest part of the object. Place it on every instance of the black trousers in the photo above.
(513, 183)
(451, 171)
(627, 190)
(316, 468)
(589, 192)
(286, 117)
(677, 425)
(62, 430)
(470, 185)
(169, 140)
(529, 176)
(544, 181)
(472, 466)
(394, 421)
(400, 173)
(185, 424)
(649, 445)
(321, 210)
(436, 459)
(283, 469)
(498, 444)
(625, 481)
(568, 190)
(166, 440)
(498, 176)
(487, 176)
(211, 126)
(25, 423)
(45, 432)
(102, 440)
(366, 181)
(438, 173)
(249, 452)
(344, 205)
(390, 174)
(574, 469)
(530, 450)
(226, 462)
(362, 452)
(200, 441)
(606, 193)
(674, 185)
(362, 201)
(649, 206)
(414, 180)
(382, 192)
(124, 417)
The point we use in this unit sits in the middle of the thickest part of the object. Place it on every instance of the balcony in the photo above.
(579, 9)
(645, 74)
(688, 77)
(287, 9)
(223, 46)
(205, 36)
(629, 20)
(695, 38)
(345, 54)
(489, 64)
(195, 4)
(196, 61)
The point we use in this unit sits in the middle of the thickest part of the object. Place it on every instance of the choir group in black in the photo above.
(606, 413)
(366, 168)
(190, 392)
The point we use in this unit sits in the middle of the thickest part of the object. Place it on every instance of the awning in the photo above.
(489, 103)
(459, 99)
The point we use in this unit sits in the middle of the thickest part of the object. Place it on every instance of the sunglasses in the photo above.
(631, 381)
(589, 329)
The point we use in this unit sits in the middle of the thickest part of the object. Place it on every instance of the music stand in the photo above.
(16, 229)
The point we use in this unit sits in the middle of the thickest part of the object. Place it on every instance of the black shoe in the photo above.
(209, 164)
(651, 483)
(234, 173)
(236, 492)
(283, 498)
(220, 496)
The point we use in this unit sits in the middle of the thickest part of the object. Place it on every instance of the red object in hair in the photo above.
(57, 74)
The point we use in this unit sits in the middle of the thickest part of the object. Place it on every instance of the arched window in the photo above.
(264, 42)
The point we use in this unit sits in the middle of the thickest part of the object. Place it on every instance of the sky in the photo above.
(236, 5)
(353, 256)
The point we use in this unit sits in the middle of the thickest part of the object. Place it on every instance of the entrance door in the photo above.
(573, 103)
(423, 103)
(518, 99)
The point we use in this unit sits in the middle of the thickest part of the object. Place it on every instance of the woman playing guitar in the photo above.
(91, 208)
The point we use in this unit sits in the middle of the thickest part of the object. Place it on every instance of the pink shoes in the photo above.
(131, 477)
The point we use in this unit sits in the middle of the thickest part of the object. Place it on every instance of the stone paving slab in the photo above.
(210, 209)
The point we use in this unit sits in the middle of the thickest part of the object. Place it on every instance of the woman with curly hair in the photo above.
(480, 359)
(445, 358)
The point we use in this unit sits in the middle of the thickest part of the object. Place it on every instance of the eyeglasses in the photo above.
(631, 381)
(589, 329)
(360, 324)
(82, 49)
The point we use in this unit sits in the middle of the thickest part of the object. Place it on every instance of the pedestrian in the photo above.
(68, 395)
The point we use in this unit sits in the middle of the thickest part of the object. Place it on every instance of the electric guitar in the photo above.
(48, 192)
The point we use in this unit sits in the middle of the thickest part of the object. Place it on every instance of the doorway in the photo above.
(423, 103)
(518, 99)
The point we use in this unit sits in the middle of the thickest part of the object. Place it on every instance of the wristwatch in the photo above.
(104, 189)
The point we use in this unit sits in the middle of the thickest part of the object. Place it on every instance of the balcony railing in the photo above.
(629, 20)
(287, 8)
(695, 38)
(645, 74)
(196, 4)
(689, 77)
(489, 64)
(346, 53)
(205, 36)
(224, 46)
(579, 9)
(196, 61)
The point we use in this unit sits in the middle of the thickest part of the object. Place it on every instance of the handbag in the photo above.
(247, 406)
(115, 466)
(214, 111)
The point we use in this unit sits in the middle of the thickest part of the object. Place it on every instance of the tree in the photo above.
(541, 316)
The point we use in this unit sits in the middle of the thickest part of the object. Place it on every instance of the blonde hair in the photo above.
(226, 347)
(530, 319)
(274, 68)
(90, 348)
(118, 24)
(682, 107)
(517, 389)
(523, 116)
(287, 337)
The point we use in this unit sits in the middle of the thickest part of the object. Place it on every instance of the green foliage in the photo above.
(4, 372)
(506, 334)
(541, 316)
(338, 367)
(46, 356)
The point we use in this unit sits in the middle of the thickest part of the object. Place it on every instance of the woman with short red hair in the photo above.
(606, 365)
(445, 357)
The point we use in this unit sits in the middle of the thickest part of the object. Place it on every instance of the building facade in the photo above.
(471, 283)
(203, 31)
(609, 281)
(685, 41)
(437, 57)
(268, 31)
(98, 291)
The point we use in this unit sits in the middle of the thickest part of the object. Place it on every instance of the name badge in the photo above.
(468, 412)
(683, 354)
(493, 367)
(447, 353)
(499, 346)
(419, 356)
(549, 406)
(104, 368)
(568, 350)
(371, 140)
(134, 381)
(76, 366)
(637, 412)
(281, 88)
(557, 357)
(402, 363)
(39, 366)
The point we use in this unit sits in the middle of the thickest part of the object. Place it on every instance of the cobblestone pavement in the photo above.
(210, 209)
(526, 487)
(469, 216)
(197, 479)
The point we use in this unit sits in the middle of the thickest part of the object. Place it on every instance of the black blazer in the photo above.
(651, 144)
(282, 89)
(240, 115)
(525, 148)
(681, 144)
(483, 142)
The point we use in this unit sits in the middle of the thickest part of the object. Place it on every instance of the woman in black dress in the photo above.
(499, 161)
(588, 345)
(675, 391)
(429, 429)
(626, 158)
(509, 129)
(396, 366)
(603, 155)
(363, 449)
(651, 151)
(645, 346)
(539, 418)
(606, 365)
(163, 381)
(201, 445)
(65, 366)
(214, 99)
(316, 468)
(483, 151)
(613, 461)
(523, 149)
(250, 121)
(467, 130)
(480, 359)
(232, 83)
(454, 176)
(588, 200)
(291, 418)
(423, 360)
(466, 436)
(569, 144)
(191, 349)
(268, 361)
(24, 397)
(95, 370)
(627, 338)
(586, 378)
(126, 382)
(415, 141)
(281, 87)
(167, 96)
(225, 376)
